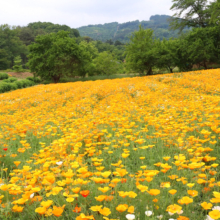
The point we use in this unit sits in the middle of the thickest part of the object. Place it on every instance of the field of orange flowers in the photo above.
(133, 148)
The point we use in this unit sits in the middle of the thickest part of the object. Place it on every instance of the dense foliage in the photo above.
(54, 55)
(122, 32)
(11, 83)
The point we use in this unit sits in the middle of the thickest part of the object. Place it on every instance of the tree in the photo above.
(4, 59)
(54, 55)
(26, 35)
(140, 52)
(109, 42)
(190, 13)
(18, 64)
(89, 52)
(106, 64)
(215, 18)
(10, 44)
(49, 27)
(203, 45)
(166, 54)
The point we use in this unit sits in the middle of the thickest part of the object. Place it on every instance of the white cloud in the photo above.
(75, 13)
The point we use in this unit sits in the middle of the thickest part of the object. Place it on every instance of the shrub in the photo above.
(19, 84)
(3, 76)
(10, 80)
(34, 79)
(27, 83)
(5, 87)
(13, 86)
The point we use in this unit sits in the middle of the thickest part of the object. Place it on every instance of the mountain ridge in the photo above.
(122, 31)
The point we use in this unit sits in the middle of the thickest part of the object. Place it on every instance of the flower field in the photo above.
(143, 148)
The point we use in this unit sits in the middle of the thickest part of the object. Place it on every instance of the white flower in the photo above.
(209, 218)
(216, 208)
(148, 213)
(180, 212)
(32, 195)
(160, 216)
(172, 219)
(130, 216)
(59, 163)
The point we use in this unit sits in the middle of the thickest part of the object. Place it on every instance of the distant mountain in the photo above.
(122, 32)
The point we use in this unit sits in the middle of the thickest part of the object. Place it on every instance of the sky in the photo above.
(77, 13)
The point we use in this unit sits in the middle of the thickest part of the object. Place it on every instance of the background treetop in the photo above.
(191, 13)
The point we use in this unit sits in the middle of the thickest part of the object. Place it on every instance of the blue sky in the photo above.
(77, 13)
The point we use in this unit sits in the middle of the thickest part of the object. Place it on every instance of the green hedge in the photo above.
(3, 76)
(10, 80)
(8, 86)
(34, 79)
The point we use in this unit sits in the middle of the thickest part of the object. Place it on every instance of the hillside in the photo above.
(121, 32)
(105, 148)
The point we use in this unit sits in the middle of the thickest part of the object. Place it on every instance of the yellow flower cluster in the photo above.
(104, 149)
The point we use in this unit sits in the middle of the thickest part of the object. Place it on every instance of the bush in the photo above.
(27, 83)
(19, 84)
(10, 80)
(3, 76)
(8, 86)
(13, 86)
(34, 79)
(5, 87)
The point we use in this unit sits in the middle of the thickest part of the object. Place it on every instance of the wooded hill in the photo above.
(122, 32)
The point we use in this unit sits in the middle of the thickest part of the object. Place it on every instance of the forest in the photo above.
(122, 32)
(53, 51)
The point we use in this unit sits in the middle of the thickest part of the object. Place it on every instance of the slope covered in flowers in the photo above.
(104, 149)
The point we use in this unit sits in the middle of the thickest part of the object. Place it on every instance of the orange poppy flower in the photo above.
(84, 193)
(77, 209)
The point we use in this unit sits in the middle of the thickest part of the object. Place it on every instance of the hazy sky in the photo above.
(76, 13)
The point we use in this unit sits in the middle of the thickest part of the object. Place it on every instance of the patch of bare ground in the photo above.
(22, 75)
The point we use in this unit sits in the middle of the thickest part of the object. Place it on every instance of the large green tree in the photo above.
(204, 45)
(141, 51)
(191, 13)
(90, 52)
(166, 54)
(55, 55)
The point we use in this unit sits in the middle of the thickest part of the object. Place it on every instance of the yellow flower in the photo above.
(96, 208)
(172, 191)
(154, 192)
(122, 208)
(17, 208)
(104, 189)
(46, 204)
(215, 214)
(174, 208)
(70, 199)
(41, 210)
(206, 205)
(105, 211)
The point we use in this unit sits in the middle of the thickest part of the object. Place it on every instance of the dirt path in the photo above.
(20, 75)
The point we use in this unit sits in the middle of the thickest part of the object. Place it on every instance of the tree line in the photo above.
(55, 51)
(15, 42)
(198, 47)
